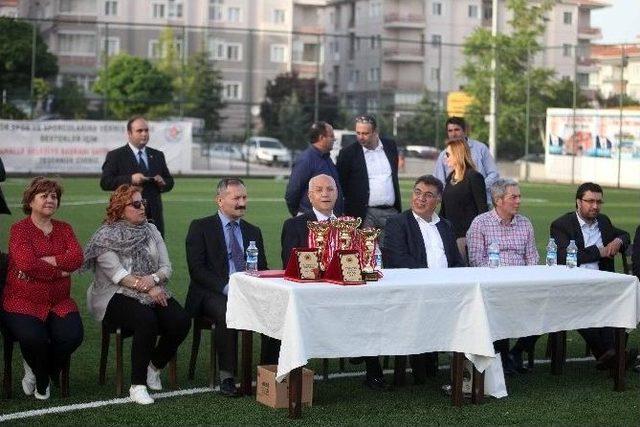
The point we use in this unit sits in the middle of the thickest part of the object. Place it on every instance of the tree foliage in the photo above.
(279, 92)
(515, 53)
(132, 86)
(68, 101)
(294, 123)
(203, 91)
(421, 128)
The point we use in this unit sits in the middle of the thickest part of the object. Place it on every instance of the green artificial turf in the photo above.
(581, 395)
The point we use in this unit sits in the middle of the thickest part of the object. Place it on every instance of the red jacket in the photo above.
(35, 287)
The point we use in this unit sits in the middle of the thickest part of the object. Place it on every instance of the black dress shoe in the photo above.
(376, 384)
(228, 388)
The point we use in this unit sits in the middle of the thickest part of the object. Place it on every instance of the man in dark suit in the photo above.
(4, 209)
(215, 248)
(323, 193)
(418, 238)
(137, 164)
(368, 174)
(598, 242)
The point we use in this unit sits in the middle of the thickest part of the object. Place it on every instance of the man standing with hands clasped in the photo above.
(137, 164)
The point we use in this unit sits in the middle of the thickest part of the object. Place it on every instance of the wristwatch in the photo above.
(156, 279)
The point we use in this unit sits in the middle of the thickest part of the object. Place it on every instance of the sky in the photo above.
(619, 22)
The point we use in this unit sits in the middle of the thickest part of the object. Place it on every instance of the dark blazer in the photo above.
(462, 202)
(635, 253)
(354, 179)
(4, 209)
(208, 261)
(295, 234)
(568, 228)
(121, 163)
(404, 246)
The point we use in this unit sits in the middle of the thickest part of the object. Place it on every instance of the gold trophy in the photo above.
(368, 237)
(346, 226)
(320, 230)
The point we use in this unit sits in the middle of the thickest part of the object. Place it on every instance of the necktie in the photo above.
(237, 255)
(141, 164)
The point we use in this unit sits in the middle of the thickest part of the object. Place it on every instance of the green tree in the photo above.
(514, 70)
(279, 91)
(132, 86)
(294, 123)
(68, 101)
(203, 91)
(420, 129)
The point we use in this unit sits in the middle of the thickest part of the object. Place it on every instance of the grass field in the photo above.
(581, 396)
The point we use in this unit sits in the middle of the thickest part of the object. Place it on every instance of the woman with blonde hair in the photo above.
(464, 195)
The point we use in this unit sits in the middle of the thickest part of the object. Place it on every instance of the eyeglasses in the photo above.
(446, 153)
(138, 204)
(426, 195)
(593, 201)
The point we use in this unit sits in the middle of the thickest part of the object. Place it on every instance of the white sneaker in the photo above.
(29, 380)
(153, 378)
(139, 394)
(44, 396)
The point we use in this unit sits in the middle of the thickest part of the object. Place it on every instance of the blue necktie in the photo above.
(141, 164)
(237, 254)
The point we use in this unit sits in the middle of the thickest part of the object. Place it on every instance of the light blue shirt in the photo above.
(144, 154)
(481, 156)
(228, 235)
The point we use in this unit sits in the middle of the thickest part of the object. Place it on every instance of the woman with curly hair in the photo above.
(131, 270)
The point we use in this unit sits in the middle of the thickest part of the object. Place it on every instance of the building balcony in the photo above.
(406, 20)
(587, 65)
(67, 61)
(589, 33)
(400, 85)
(403, 55)
(308, 29)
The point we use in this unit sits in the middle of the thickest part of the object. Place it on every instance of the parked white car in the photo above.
(269, 151)
(224, 150)
(344, 138)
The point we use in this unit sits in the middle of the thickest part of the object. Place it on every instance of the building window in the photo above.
(157, 10)
(215, 10)
(436, 39)
(567, 49)
(354, 76)
(375, 42)
(374, 74)
(567, 18)
(154, 50)
(110, 45)
(582, 79)
(436, 8)
(111, 8)
(233, 14)
(175, 9)
(372, 104)
(77, 7)
(232, 90)
(76, 44)
(278, 16)
(278, 53)
(233, 52)
(435, 73)
(473, 11)
(306, 52)
(375, 9)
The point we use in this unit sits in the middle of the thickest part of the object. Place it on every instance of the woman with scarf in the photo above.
(131, 269)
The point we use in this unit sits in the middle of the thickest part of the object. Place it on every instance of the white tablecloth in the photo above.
(420, 310)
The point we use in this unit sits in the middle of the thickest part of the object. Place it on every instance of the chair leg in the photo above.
(173, 373)
(6, 377)
(119, 375)
(104, 352)
(213, 366)
(64, 378)
(341, 364)
(385, 362)
(531, 353)
(325, 369)
(195, 345)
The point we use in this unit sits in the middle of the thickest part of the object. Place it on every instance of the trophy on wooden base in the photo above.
(346, 226)
(368, 243)
(319, 232)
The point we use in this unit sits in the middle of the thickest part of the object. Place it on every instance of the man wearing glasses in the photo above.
(418, 238)
(368, 174)
(598, 242)
(485, 164)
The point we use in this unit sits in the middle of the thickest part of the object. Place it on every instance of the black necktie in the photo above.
(141, 164)
(237, 255)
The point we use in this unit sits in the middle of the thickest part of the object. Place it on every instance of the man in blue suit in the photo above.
(418, 238)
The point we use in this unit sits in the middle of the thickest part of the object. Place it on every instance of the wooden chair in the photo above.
(107, 331)
(199, 324)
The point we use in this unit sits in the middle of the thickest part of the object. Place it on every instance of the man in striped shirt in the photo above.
(514, 235)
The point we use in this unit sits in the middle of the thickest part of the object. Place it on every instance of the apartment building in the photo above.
(385, 53)
(618, 70)
(249, 41)
(9, 8)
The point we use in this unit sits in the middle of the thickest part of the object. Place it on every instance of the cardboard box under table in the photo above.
(276, 394)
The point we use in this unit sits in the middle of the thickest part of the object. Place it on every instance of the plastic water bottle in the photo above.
(552, 252)
(494, 255)
(572, 254)
(378, 258)
(252, 258)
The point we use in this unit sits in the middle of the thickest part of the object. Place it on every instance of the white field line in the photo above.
(190, 391)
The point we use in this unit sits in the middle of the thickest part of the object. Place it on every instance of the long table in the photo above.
(412, 311)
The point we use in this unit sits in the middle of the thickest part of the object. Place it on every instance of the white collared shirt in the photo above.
(433, 246)
(592, 236)
(322, 217)
(381, 191)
